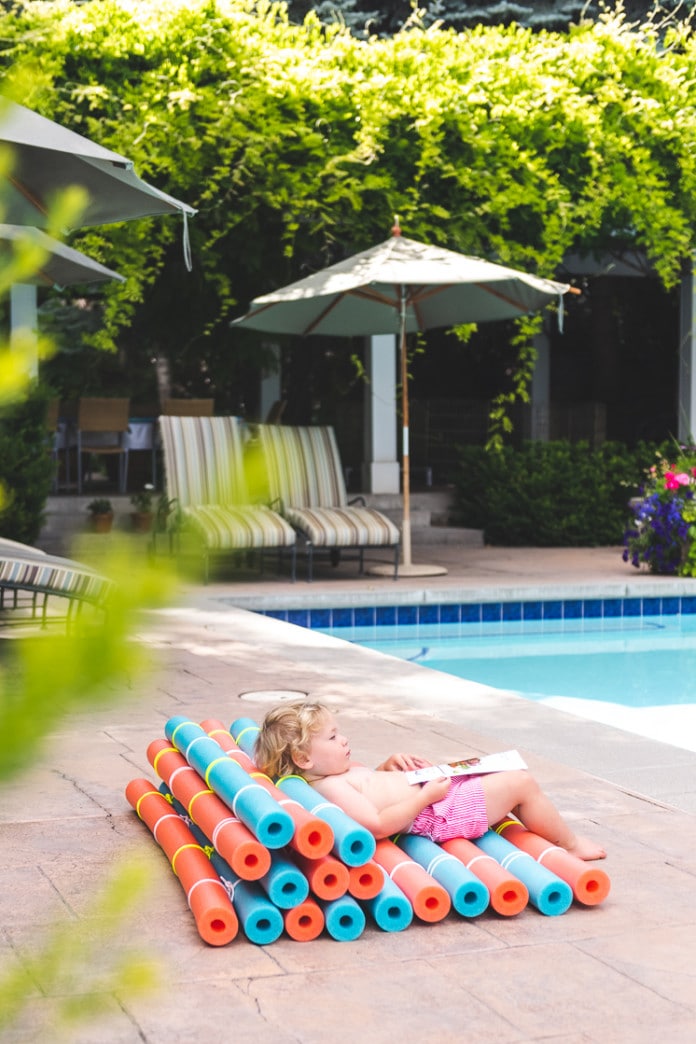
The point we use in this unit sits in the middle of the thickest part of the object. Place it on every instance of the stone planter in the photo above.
(142, 521)
(101, 523)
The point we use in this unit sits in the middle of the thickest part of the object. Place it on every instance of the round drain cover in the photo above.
(273, 695)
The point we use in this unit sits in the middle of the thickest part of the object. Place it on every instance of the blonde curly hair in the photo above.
(285, 732)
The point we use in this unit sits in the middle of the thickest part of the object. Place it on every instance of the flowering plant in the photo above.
(143, 501)
(663, 532)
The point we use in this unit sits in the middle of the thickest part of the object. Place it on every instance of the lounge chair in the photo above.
(204, 475)
(26, 570)
(305, 479)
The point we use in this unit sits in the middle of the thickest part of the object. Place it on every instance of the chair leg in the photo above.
(396, 562)
(293, 562)
(310, 553)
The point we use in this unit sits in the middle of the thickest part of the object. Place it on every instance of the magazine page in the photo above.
(474, 766)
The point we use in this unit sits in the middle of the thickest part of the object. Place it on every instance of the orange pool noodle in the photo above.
(328, 877)
(207, 897)
(509, 895)
(313, 837)
(430, 901)
(247, 857)
(590, 884)
(365, 882)
(304, 922)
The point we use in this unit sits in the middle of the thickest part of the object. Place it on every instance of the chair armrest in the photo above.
(358, 500)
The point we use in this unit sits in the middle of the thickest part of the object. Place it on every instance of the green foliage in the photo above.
(26, 467)
(298, 143)
(555, 494)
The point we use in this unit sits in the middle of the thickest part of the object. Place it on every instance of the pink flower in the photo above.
(671, 480)
(683, 479)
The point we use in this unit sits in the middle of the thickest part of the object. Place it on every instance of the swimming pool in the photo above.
(630, 662)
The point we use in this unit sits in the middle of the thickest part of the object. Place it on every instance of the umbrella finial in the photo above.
(396, 228)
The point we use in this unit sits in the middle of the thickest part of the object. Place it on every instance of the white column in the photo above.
(540, 391)
(381, 466)
(24, 321)
(270, 382)
(687, 358)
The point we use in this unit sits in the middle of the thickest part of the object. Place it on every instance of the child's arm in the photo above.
(403, 763)
(387, 821)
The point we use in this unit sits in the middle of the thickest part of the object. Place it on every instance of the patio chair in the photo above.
(188, 407)
(305, 478)
(102, 427)
(30, 572)
(204, 475)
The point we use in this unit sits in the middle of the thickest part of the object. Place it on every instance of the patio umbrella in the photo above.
(400, 286)
(48, 158)
(61, 266)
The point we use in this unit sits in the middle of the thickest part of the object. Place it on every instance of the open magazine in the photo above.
(503, 762)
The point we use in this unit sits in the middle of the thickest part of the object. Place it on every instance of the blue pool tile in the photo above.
(364, 617)
(277, 614)
(342, 618)
(470, 613)
(450, 613)
(407, 614)
(429, 614)
(491, 612)
(652, 607)
(572, 609)
(319, 618)
(386, 615)
(670, 606)
(552, 610)
(299, 617)
(532, 610)
(633, 607)
(688, 604)
(613, 608)
(512, 611)
(592, 608)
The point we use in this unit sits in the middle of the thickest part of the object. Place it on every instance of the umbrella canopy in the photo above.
(400, 286)
(62, 265)
(48, 158)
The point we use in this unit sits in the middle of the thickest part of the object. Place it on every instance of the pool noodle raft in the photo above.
(547, 891)
(313, 837)
(508, 895)
(231, 838)
(590, 884)
(270, 823)
(468, 893)
(213, 912)
(430, 901)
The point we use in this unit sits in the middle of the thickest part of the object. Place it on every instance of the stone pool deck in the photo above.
(620, 972)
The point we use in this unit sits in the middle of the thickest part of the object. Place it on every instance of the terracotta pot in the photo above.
(142, 521)
(102, 523)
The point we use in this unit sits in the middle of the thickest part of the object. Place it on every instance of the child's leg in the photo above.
(518, 792)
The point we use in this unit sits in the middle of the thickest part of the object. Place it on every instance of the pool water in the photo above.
(643, 662)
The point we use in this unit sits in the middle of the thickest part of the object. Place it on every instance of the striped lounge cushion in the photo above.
(52, 575)
(204, 470)
(304, 474)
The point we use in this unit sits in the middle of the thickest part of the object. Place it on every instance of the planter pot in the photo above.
(102, 523)
(142, 521)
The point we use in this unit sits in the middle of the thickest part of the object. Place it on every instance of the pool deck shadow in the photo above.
(619, 972)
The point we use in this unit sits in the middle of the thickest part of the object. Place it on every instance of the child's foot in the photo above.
(585, 849)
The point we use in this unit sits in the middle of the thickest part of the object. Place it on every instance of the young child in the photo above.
(303, 739)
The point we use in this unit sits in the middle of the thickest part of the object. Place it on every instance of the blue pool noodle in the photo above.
(344, 918)
(390, 908)
(547, 892)
(285, 883)
(270, 823)
(468, 893)
(353, 843)
(244, 732)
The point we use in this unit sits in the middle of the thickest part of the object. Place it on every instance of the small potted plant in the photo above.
(102, 513)
(143, 514)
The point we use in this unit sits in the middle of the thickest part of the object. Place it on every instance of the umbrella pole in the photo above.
(407, 568)
(406, 466)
